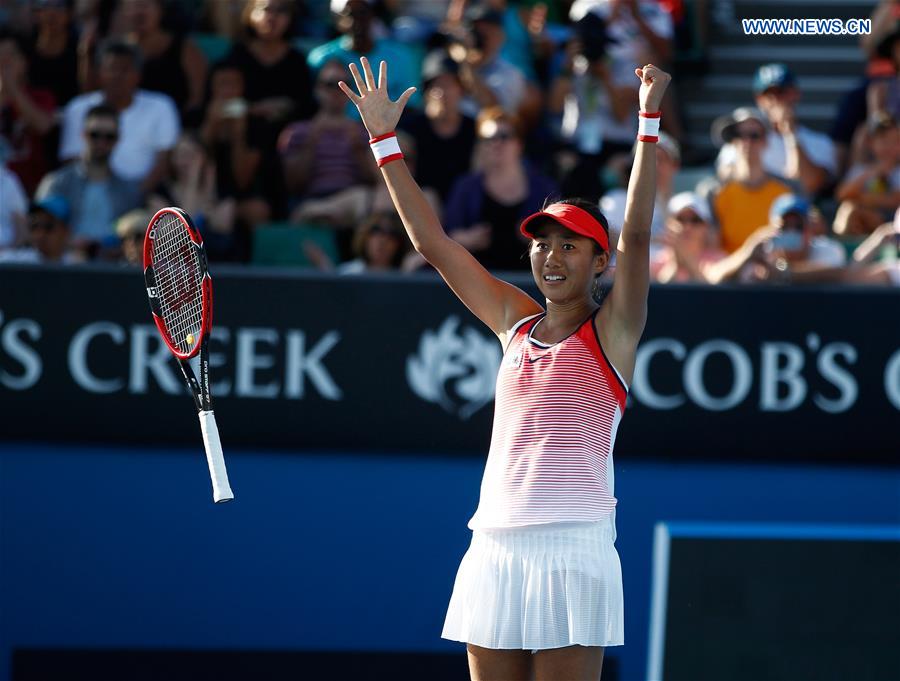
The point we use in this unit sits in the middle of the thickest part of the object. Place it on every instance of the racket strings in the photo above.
(179, 282)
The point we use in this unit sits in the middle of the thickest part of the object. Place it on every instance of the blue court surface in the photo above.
(107, 548)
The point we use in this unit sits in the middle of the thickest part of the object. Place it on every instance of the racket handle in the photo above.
(221, 488)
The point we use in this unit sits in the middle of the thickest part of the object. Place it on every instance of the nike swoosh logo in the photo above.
(535, 359)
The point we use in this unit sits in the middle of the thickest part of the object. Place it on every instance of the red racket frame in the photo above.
(205, 286)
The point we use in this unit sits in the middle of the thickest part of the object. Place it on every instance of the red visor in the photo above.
(571, 217)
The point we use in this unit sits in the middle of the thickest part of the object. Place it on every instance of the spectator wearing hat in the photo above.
(48, 234)
(689, 242)
(741, 203)
(96, 195)
(148, 121)
(488, 78)
(441, 131)
(354, 21)
(26, 114)
(870, 192)
(792, 151)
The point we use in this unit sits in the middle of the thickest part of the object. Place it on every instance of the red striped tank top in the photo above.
(556, 412)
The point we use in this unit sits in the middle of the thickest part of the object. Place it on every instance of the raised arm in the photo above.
(495, 302)
(627, 308)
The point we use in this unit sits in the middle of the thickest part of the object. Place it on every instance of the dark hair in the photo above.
(249, 33)
(589, 207)
(119, 48)
(395, 228)
(594, 211)
(7, 35)
(102, 111)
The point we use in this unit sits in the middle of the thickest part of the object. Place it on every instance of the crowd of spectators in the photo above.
(111, 109)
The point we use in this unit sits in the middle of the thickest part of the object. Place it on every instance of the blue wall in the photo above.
(102, 547)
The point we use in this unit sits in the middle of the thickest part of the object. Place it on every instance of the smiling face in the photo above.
(564, 264)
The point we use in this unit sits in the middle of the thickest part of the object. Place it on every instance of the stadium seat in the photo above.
(282, 244)
(213, 46)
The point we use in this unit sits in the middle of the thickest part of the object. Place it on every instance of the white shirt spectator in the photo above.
(588, 116)
(630, 45)
(149, 125)
(818, 147)
(13, 206)
(826, 252)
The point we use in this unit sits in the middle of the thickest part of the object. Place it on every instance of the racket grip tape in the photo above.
(215, 459)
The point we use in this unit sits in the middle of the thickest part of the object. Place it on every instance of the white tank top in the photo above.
(556, 413)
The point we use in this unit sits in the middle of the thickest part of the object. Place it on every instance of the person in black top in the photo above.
(277, 85)
(52, 50)
(441, 130)
(278, 82)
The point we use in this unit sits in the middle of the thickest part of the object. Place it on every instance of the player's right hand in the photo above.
(379, 114)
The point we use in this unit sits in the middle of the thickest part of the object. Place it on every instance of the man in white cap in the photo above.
(793, 151)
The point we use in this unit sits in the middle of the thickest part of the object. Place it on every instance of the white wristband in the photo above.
(648, 126)
(386, 148)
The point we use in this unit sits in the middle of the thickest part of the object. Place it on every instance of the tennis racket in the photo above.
(180, 291)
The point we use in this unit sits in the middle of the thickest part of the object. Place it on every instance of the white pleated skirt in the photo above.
(539, 587)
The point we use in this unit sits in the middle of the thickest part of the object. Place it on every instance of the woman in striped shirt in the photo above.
(539, 592)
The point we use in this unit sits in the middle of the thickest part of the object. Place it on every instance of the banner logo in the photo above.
(455, 369)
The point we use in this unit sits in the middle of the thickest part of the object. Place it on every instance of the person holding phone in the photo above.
(787, 248)
(539, 592)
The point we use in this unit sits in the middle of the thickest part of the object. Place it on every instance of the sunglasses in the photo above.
(42, 225)
(792, 223)
(381, 229)
(689, 219)
(752, 135)
(102, 135)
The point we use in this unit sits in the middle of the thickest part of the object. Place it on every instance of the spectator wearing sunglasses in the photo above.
(95, 193)
(485, 207)
(792, 151)
(148, 121)
(689, 242)
(48, 235)
(741, 203)
(380, 245)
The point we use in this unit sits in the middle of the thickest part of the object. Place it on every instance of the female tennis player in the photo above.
(539, 592)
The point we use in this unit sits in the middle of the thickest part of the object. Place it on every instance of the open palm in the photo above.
(379, 114)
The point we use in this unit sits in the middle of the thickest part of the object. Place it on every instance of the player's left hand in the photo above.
(654, 82)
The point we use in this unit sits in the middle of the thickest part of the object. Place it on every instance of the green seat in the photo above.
(850, 244)
(283, 244)
(213, 46)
